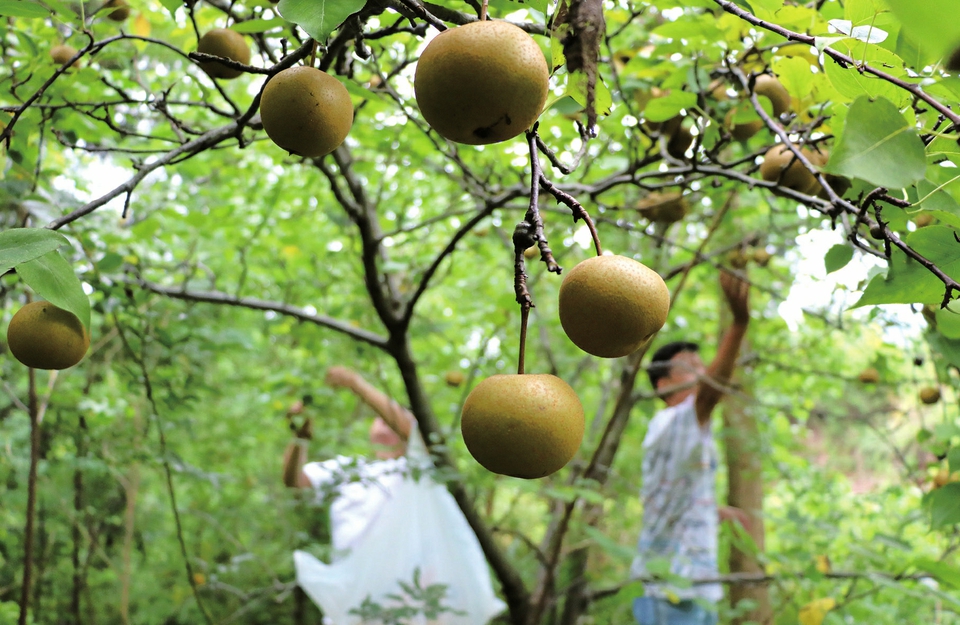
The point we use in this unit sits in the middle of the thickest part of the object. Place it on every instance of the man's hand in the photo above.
(341, 376)
(737, 293)
(736, 515)
(304, 431)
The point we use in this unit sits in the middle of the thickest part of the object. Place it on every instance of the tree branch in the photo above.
(842, 59)
(219, 297)
(451, 245)
(762, 578)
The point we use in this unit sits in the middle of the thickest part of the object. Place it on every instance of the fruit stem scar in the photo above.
(485, 131)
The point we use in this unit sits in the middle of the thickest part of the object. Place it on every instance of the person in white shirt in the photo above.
(680, 512)
(361, 486)
(392, 524)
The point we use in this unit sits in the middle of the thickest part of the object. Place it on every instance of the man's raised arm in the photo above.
(736, 292)
(398, 418)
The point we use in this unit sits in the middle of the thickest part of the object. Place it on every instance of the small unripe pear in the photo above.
(869, 376)
(679, 142)
(768, 86)
(664, 207)
(930, 395)
(923, 220)
(225, 43)
(121, 10)
(306, 111)
(781, 165)
(737, 259)
(762, 257)
(44, 336)
(742, 131)
(62, 54)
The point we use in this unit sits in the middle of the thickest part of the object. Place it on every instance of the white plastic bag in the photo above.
(420, 533)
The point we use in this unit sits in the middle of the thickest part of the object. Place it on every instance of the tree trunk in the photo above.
(131, 486)
(512, 585)
(745, 491)
(597, 470)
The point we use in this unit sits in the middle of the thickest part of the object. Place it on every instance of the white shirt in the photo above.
(679, 503)
(360, 487)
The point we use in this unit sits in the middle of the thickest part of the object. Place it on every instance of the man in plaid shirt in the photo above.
(680, 513)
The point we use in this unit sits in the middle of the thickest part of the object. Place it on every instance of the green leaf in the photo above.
(929, 21)
(694, 29)
(940, 204)
(948, 323)
(663, 108)
(953, 459)
(258, 26)
(853, 84)
(863, 11)
(63, 9)
(318, 18)
(944, 146)
(20, 245)
(945, 506)
(892, 541)
(943, 572)
(879, 146)
(19, 8)
(53, 279)
(171, 5)
(946, 431)
(508, 6)
(794, 74)
(837, 257)
(907, 281)
(110, 262)
(769, 5)
(577, 89)
(611, 547)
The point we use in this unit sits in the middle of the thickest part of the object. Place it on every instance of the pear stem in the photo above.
(532, 218)
(521, 238)
(524, 315)
(483, 10)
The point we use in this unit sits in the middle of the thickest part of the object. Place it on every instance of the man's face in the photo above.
(685, 367)
(385, 441)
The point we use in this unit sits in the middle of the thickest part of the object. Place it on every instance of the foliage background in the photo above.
(847, 467)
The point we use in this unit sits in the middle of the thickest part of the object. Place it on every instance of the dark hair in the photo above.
(660, 363)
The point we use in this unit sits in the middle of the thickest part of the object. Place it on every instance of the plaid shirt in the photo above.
(679, 503)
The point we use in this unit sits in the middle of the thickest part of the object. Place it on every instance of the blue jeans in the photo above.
(653, 611)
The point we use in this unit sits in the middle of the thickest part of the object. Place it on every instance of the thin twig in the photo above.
(28, 530)
(532, 218)
(168, 472)
(449, 248)
(763, 578)
(579, 212)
